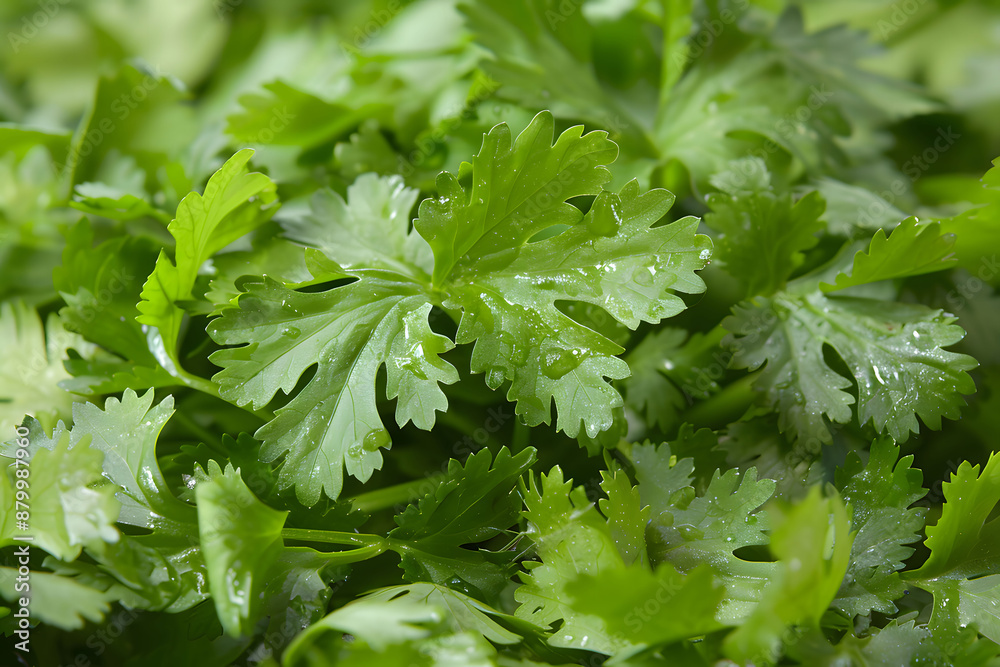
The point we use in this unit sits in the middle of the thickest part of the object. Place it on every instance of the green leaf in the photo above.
(115, 203)
(161, 569)
(978, 229)
(348, 333)
(297, 592)
(979, 603)
(758, 443)
(912, 249)
(31, 368)
(240, 540)
(126, 431)
(812, 541)
(612, 258)
(464, 614)
(648, 390)
(474, 503)
(879, 494)
(545, 58)
(627, 517)
(660, 475)
(763, 233)
(133, 107)
(962, 544)
(894, 350)
(71, 504)
(235, 202)
(688, 531)
(571, 539)
(422, 624)
(287, 116)
(513, 195)
(58, 601)
(852, 208)
(267, 255)
(101, 286)
(368, 231)
(636, 603)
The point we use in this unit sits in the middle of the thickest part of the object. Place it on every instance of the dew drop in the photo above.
(557, 362)
(494, 377)
(643, 276)
(291, 332)
(376, 438)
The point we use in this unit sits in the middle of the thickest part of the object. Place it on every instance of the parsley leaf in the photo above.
(911, 250)
(241, 540)
(235, 201)
(880, 494)
(895, 351)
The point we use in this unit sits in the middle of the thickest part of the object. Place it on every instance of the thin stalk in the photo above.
(397, 494)
(332, 537)
(210, 388)
(368, 546)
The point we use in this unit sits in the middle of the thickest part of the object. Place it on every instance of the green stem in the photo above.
(355, 555)
(369, 546)
(397, 494)
(521, 438)
(331, 537)
(210, 388)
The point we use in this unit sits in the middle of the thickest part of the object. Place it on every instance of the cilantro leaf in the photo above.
(348, 332)
(464, 613)
(286, 115)
(474, 503)
(626, 515)
(573, 539)
(962, 543)
(523, 35)
(56, 600)
(368, 231)
(613, 258)
(235, 201)
(812, 542)
(31, 368)
(240, 539)
(633, 602)
(419, 624)
(71, 504)
(101, 287)
(880, 494)
(911, 250)
(762, 234)
(519, 188)
(126, 431)
(894, 350)
(688, 531)
(648, 390)
(161, 569)
(758, 443)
